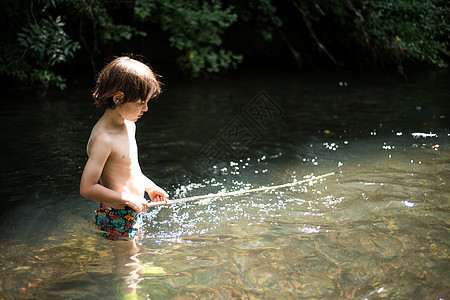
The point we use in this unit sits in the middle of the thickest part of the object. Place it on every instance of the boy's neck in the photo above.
(114, 117)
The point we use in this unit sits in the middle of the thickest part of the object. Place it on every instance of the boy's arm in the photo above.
(154, 192)
(91, 189)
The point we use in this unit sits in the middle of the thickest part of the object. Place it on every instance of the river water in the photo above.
(377, 228)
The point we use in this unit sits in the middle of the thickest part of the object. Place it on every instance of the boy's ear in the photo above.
(118, 98)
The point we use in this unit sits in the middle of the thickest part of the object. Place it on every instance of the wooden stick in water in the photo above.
(241, 192)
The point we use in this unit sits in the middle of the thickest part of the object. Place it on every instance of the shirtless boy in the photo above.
(112, 174)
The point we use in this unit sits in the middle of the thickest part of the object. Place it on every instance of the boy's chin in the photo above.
(134, 120)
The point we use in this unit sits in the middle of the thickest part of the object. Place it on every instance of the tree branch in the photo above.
(297, 58)
(313, 35)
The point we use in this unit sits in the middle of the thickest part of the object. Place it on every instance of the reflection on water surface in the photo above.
(377, 228)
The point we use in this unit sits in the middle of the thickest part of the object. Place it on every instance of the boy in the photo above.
(112, 174)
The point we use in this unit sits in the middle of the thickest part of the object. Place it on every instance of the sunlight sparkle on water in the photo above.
(331, 146)
(408, 203)
(424, 135)
(307, 229)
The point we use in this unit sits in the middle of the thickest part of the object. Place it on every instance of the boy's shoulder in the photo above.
(100, 135)
(99, 138)
(103, 133)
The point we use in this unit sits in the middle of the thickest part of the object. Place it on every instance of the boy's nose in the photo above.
(145, 108)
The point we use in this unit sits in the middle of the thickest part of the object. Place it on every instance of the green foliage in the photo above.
(102, 24)
(47, 42)
(415, 29)
(34, 40)
(12, 63)
(385, 30)
(39, 47)
(195, 29)
(264, 15)
(143, 9)
(209, 60)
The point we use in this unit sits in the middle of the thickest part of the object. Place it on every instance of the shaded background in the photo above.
(44, 42)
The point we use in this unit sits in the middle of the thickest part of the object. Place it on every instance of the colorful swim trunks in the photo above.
(117, 224)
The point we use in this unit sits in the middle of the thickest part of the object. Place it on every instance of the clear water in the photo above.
(378, 228)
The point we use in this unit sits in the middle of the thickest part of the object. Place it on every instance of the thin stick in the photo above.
(241, 192)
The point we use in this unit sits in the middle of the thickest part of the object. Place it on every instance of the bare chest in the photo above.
(124, 151)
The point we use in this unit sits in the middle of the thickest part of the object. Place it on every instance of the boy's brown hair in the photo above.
(129, 76)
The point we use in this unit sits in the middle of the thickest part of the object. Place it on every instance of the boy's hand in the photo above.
(138, 204)
(157, 194)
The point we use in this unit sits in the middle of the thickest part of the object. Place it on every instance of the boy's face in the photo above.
(132, 111)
